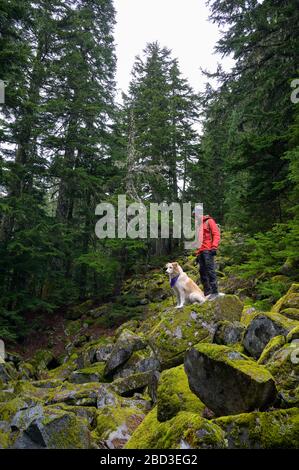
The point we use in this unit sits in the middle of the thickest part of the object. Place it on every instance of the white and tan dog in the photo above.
(185, 289)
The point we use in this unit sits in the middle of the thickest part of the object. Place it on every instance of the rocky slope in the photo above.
(220, 375)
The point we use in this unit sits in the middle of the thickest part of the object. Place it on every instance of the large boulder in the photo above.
(283, 364)
(93, 373)
(184, 431)
(288, 305)
(127, 386)
(8, 372)
(126, 344)
(228, 332)
(277, 429)
(51, 429)
(263, 327)
(115, 425)
(227, 381)
(178, 329)
(174, 395)
(140, 361)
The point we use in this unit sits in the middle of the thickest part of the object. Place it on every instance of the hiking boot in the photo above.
(212, 297)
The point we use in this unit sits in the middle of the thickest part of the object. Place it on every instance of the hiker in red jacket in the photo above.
(205, 256)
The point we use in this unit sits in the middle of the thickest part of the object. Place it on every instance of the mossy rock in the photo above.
(228, 332)
(88, 413)
(93, 373)
(140, 361)
(289, 300)
(47, 383)
(126, 344)
(126, 386)
(248, 314)
(181, 328)
(9, 409)
(264, 327)
(64, 371)
(76, 312)
(227, 381)
(292, 313)
(73, 327)
(86, 394)
(5, 433)
(26, 371)
(274, 345)
(54, 429)
(115, 425)
(284, 366)
(261, 430)
(174, 395)
(8, 372)
(184, 431)
(293, 334)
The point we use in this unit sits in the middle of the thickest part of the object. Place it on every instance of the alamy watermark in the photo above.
(2, 351)
(153, 221)
(2, 91)
(295, 92)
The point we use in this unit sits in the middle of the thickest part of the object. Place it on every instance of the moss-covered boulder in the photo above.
(126, 344)
(41, 360)
(262, 328)
(5, 433)
(93, 373)
(174, 395)
(77, 311)
(86, 394)
(127, 386)
(228, 332)
(274, 345)
(289, 301)
(115, 425)
(293, 334)
(283, 364)
(53, 429)
(140, 361)
(178, 329)
(184, 431)
(8, 372)
(226, 381)
(277, 429)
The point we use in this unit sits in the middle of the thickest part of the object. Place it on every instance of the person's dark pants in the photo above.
(207, 273)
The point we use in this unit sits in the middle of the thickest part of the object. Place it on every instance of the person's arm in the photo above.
(214, 233)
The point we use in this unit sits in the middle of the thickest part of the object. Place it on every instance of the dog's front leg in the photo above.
(182, 298)
(178, 299)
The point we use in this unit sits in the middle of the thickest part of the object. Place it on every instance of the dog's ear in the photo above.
(175, 264)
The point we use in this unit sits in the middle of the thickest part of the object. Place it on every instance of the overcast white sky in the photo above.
(180, 25)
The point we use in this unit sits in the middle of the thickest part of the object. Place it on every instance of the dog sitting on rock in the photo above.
(185, 289)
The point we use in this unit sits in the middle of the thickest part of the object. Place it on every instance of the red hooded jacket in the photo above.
(210, 236)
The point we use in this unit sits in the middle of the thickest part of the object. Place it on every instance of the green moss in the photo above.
(239, 362)
(174, 395)
(9, 409)
(185, 430)
(178, 329)
(289, 300)
(284, 368)
(274, 344)
(65, 430)
(293, 334)
(265, 430)
(116, 424)
(133, 383)
(292, 313)
(4, 436)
